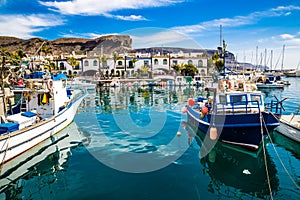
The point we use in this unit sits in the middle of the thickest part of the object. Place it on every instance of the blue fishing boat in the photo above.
(236, 117)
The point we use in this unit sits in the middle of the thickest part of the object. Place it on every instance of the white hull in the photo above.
(290, 127)
(15, 143)
(13, 170)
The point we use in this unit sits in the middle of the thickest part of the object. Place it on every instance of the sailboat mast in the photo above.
(271, 61)
(282, 57)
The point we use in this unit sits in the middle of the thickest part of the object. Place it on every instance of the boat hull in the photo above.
(240, 129)
(15, 143)
(289, 131)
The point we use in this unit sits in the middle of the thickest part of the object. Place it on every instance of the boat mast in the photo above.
(271, 61)
(282, 57)
(2, 85)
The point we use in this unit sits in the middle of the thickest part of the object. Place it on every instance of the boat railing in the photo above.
(274, 107)
(238, 107)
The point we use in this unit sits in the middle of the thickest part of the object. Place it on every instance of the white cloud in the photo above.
(130, 18)
(102, 7)
(237, 21)
(23, 26)
(286, 36)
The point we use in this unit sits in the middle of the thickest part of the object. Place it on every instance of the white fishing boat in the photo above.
(290, 126)
(46, 107)
(58, 148)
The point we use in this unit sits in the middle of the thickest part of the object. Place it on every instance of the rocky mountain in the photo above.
(106, 44)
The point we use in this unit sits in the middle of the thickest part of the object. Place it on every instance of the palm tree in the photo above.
(145, 69)
(115, 57)
(103, 60)
(73, 62)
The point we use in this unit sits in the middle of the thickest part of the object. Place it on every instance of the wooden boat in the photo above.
(46, 107)
(233, 167)
(290, 126)
(236, 117)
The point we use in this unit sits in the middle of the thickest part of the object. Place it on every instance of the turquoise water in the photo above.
(129, 143)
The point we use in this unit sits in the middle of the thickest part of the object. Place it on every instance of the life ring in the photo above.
(228, 84)
(50, 84)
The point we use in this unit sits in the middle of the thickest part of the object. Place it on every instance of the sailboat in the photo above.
(293, 73)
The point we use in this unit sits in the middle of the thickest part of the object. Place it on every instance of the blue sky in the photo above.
(249, 27)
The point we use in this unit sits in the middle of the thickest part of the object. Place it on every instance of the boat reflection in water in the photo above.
(234, 171)
(41, 163)
(287, 143)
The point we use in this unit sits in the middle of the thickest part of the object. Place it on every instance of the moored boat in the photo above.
(235, 117)
(290, 126)
(46, 107)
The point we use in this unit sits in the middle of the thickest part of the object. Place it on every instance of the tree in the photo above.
(145, 69)
(115, 57)
(190, 70)
(73, 62)
(103, 60)
(219, 63)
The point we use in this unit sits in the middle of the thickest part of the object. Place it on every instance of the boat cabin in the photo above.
(240, 102)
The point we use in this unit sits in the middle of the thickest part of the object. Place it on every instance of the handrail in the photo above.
(235, 107)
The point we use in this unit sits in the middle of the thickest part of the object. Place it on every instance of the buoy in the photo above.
(213, 133)
(184, 109)
(178, 133)
(191, 102)
(204, 110)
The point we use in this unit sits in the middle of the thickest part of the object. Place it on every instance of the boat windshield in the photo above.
(238, 99)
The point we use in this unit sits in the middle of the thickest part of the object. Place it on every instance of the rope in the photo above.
(2, 162)
(265, 157)
(281, 162)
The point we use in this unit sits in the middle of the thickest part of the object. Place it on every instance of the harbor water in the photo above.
(135, 143)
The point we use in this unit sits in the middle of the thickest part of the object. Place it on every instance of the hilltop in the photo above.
(109, 44)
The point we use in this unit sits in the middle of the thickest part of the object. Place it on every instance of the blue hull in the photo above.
(240, 129)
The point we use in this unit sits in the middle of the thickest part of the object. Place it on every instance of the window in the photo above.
(120, 63)
(95, 63)
(86, 63)
(222, 99)
(190, 62)
(146, 62)
(155, 62)
(238, 99)
(62, 66)
(202, 72)
(165, 61)
(175, 62)
(200, 63)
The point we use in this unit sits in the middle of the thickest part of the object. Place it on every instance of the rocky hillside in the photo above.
(108, 44)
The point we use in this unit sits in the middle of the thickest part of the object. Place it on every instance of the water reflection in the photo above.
(234, 171)
(112, 100)
(33, 172)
